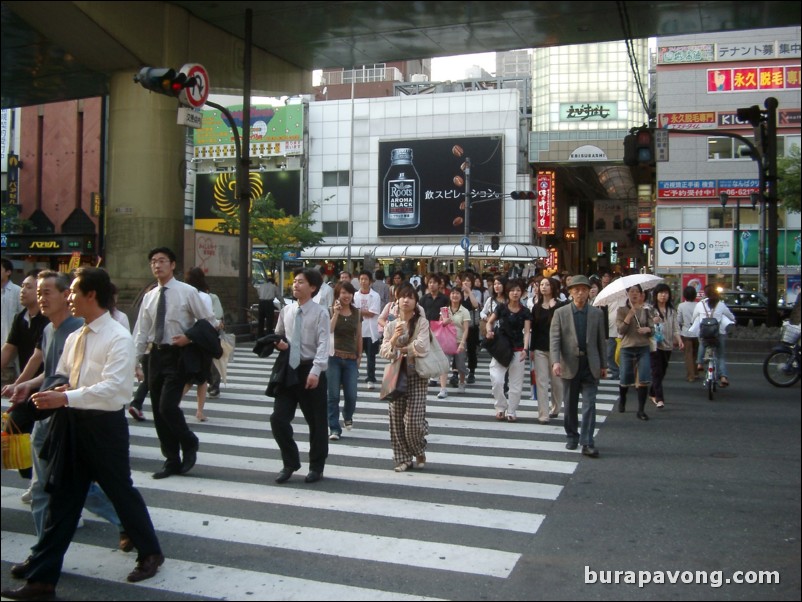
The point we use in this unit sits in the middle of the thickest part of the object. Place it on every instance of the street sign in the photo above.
(661, 145)
(465, 243)
(197, 95)
(190, 117)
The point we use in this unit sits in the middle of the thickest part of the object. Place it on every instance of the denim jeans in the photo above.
(632, 357)
(588, 386)
(719, 345)
(343, 372)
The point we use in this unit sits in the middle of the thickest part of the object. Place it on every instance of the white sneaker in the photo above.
(334, 437)
(27, 496)
(442, 394)
(461, 388)
(349, 424)
(80, 522)
(371, 386)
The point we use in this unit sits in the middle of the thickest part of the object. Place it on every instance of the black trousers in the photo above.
(473, 347)
(314, 406)
(371, 349)
(101, 454)
(266, 314)
(166, 382)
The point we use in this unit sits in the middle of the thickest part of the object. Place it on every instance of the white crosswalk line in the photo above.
(197, 579)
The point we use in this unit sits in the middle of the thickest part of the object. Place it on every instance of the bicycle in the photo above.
(782, 367)
(711, 379)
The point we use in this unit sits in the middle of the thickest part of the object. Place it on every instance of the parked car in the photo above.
(751, 305)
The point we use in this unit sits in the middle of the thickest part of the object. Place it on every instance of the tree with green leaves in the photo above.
(11, 221)
(272, 227)
(788, 186)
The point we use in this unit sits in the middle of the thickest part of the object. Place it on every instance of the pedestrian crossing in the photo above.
(363, 533)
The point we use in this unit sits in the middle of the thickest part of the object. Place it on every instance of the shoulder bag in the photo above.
(434, 363)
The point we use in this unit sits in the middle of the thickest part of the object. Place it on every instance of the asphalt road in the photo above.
(502, 512)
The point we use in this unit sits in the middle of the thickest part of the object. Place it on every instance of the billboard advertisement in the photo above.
(422, 185)
(218, 191)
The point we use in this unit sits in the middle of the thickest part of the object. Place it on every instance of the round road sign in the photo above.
(196, 95)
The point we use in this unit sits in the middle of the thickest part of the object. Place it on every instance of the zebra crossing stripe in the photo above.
(196, 579)
(337, 543)
(418, 479)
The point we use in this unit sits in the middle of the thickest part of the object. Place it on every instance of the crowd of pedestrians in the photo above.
(321, 335)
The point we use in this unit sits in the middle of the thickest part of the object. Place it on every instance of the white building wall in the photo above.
(486, 113)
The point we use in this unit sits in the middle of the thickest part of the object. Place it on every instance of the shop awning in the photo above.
(506, 251)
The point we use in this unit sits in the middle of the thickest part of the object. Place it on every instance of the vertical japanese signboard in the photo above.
(544, 204)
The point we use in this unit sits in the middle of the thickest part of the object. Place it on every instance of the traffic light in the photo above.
(494, 243)
(520, 195)
(164, 81)
(639, 147)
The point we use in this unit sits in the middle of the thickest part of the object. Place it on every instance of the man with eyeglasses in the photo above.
(166, 313)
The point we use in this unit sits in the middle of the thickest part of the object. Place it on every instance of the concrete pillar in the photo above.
(145, 199)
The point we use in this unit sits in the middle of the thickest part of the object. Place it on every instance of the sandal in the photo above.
(511, 418)
(403, 467)
(723, 382)
(420, 461)
(499, 416)
(660, 405)
(201, 417)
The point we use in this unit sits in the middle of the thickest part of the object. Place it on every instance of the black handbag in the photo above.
(500, 346)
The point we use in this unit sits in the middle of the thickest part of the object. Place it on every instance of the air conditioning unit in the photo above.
(419, 77)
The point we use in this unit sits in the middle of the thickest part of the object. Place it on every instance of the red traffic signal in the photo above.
(164, 81)
(520, 195)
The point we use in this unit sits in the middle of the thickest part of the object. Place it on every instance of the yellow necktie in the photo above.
(78, 357)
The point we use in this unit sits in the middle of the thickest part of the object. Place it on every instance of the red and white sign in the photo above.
(544, 204)
(197, 95)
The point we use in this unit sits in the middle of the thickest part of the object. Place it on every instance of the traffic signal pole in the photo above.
(467, 212)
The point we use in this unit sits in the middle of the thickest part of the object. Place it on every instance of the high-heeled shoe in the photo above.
(622, 405)
(642, 416)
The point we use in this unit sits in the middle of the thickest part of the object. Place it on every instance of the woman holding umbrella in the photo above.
(634, 322)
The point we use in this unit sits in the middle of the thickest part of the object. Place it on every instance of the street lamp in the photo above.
(724, 197)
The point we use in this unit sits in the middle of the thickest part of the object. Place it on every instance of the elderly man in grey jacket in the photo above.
(577, 344)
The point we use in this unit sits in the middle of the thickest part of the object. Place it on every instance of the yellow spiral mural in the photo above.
(225, 192)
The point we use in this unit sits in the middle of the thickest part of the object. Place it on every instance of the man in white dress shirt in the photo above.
(164, 337)
(309, 359)
(99, 360)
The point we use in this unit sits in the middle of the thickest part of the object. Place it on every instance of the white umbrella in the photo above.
(616, 291)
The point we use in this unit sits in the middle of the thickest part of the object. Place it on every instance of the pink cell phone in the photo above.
(443, 313)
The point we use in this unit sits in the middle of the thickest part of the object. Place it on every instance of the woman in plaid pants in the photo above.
(408, 426)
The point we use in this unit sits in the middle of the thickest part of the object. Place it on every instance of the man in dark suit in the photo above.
(578, 345)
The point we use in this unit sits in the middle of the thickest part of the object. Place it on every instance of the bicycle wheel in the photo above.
(780, 369)
(711, 386)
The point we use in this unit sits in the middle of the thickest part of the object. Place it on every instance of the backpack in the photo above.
(708, 327)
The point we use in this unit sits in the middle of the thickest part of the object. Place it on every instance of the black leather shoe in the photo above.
(571, 445)
(622, 406)
(18, 571)
(589, 451)
(642, 416)
(190, 457)
(146, 568)
(313, 476)
(284, 475)
(168, 470)
(31, 591)
(471, 378)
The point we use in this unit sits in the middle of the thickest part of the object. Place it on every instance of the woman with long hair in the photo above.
(407, 337)
(343, 370)
(197, 278)
(497, 294)
(667, 332)
(713, 307)
(634, 322)
(516, 322)
(542, 313)
(689, 341)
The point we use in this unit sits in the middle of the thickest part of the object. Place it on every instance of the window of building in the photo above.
(723, 147)
(336, 178)
(335, 228)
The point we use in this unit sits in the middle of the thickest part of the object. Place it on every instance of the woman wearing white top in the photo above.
(714, 307)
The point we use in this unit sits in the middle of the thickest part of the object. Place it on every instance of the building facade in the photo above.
(707, 229)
